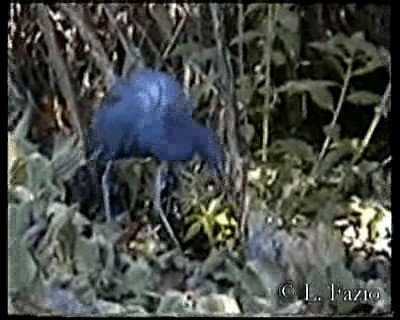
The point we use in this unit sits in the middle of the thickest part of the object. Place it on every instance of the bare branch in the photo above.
(60, 68)
(75, 13)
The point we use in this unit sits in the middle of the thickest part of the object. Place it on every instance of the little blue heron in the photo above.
(147, 113)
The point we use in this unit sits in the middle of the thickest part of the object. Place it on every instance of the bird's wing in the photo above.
(177, 139)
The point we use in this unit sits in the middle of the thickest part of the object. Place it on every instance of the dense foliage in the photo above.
(303, 114)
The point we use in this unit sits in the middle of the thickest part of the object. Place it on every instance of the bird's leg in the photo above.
(105, 184)
(168, 198)
(158, 206)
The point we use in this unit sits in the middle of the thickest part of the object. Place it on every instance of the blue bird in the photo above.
(146, 114)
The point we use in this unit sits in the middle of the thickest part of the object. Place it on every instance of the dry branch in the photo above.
(75, 13)
(60, 68)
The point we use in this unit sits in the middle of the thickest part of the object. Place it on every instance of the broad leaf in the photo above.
(364, 98)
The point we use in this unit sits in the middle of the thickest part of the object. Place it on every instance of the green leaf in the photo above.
(248, 132)
(185, 50)
(364, 47)
(21, 266)
(139, 278)
(66, 157)
(290, 20)
(87, 255)
(348, 44)
(204, 55)
(173, 302)
(262, 278)
(17, 174)
(278, 58)
(318, 90)
(298, 148)
(322, 97)
(163, 21)
(213, 206)
(213, 262)
(260, 7)
(364, 98)
(354, 47)
(229, 271)
(208, 226)
(330, 47)
(334, 132)
(343, 149)
(193, 51)
(245, 91)
(223, 219)
(290, 40)
(57, 248)
(41, 176)
(12, 150)
(336, 65)
(370, 66)
(193, 231)
(247, 37)
(298, 86)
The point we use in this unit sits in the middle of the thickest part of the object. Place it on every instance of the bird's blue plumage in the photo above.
(148, 114)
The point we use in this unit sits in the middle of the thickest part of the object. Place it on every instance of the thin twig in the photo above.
(157, 204)
(142, 30)
(335, 115)
(60, 68)
(379, 111)
(240, 60)
(105, 184)
(269, 37)
(174, 37)
(386, 161)
(238, 163)
(245, 201)
(75, 13)
(121, 36)
(240, 43)
(227, 82)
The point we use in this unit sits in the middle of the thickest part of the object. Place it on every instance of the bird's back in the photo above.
(161, 89)
(130, 119)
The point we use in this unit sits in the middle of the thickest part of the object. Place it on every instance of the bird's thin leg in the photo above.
(157, 204)
(105, 180)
